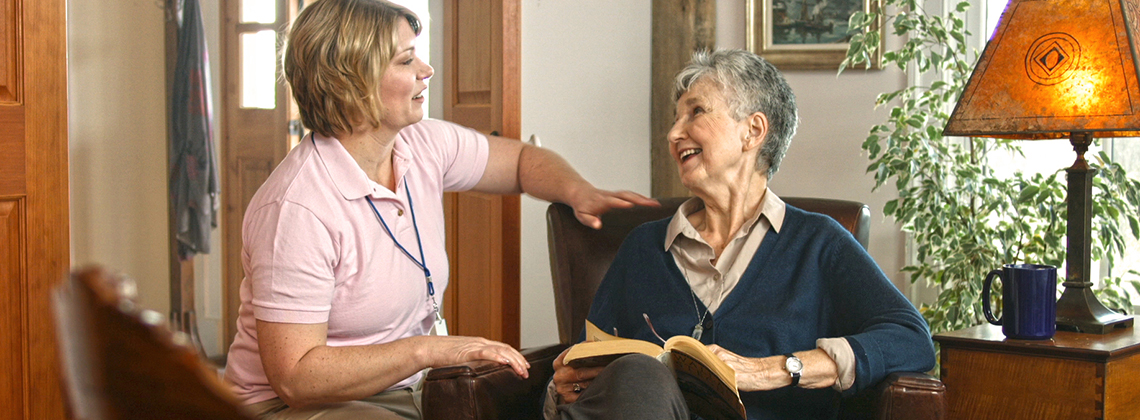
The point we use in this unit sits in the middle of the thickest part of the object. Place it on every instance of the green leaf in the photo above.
(959, 36)
(857, 21)
(1027, 194)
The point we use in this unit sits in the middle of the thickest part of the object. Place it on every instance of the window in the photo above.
(258, 49)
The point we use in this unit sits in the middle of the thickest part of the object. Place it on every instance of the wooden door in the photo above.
(482, 83)
(34, 248)
(256, 131)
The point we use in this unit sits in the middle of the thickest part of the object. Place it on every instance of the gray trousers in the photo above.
(632, 387)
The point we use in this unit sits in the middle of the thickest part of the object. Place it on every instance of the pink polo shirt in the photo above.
(315, 252)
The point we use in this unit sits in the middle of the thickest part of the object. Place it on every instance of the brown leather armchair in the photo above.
(579, 258)
(121, 362)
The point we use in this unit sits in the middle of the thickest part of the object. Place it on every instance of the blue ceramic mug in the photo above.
(1029, 301)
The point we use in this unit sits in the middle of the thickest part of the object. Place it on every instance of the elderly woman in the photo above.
(785, 297)
(344, 243)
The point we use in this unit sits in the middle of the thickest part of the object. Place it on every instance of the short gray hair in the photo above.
(749, 84)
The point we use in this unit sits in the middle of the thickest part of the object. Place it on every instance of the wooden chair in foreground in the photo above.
(579, 258)
(122, 362)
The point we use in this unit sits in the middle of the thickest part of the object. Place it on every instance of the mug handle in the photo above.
(986, 297)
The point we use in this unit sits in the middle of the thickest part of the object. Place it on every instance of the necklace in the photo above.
(699, 328)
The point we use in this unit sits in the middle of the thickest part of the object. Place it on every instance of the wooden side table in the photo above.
(1072, 376)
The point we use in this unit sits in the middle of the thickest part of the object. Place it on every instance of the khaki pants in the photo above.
(397, 404)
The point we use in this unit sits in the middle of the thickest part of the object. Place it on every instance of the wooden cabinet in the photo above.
(1072, 376)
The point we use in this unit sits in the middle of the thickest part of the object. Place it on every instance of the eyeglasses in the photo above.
(651, 329)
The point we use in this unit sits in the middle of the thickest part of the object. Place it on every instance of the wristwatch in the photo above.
(794, 367)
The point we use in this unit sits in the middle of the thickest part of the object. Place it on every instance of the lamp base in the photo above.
(1078, 310)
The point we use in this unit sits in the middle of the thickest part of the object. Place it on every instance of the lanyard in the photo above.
(422, 262)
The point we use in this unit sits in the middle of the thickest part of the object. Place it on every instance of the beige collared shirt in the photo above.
(712, 279)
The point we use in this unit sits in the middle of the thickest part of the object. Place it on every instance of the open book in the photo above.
(708, 384)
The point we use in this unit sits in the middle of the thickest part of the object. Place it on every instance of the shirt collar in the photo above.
(346, 174)
(771, 208)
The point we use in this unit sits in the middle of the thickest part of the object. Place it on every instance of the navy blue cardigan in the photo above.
(811, 280)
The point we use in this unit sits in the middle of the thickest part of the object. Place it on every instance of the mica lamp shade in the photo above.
(1054, 67)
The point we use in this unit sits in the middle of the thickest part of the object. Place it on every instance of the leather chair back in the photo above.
(121, 362)
(580, 256)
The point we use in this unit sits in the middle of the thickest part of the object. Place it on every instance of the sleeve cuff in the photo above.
(840, 351)
(290, 316)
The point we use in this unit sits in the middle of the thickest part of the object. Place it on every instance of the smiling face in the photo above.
(403, 84)
(710, 147)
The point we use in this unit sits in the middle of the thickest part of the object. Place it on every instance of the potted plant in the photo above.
(963, 217)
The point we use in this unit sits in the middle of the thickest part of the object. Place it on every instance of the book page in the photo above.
(593, 333)
(600, 348)
(702, 354)
(706, 395)
(709, 385)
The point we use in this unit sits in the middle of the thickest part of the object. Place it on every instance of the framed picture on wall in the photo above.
(804, 34)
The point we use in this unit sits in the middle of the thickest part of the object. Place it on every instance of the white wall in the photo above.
(586, 92)
(117, 139)
(117, 136)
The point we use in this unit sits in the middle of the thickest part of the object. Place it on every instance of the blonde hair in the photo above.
(336, 54)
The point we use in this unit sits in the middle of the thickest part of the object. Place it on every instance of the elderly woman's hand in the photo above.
(570, 382)
(451, 350)
(753, 374)
(590, 203)
(765, 373)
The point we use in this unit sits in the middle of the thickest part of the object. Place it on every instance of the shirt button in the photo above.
(716, 277)
(399, 212)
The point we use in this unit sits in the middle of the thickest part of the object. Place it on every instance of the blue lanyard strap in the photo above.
(422, 262)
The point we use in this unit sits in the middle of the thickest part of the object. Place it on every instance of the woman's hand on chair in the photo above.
(590, 203)
(452, 350)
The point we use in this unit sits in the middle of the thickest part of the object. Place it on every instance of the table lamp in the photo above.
(1057, 69)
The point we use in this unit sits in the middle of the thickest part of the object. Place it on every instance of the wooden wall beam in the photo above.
(680, 27)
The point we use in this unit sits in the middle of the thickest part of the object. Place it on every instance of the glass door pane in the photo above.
(259, 69)
(259, 11)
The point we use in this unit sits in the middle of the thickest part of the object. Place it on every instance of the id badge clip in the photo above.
(440, 326)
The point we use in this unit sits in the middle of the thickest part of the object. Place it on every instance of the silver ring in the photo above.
(577, 388)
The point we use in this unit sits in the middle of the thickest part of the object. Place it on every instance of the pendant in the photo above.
(697, 330)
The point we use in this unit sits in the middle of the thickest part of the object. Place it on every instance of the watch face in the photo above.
(794, 365)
